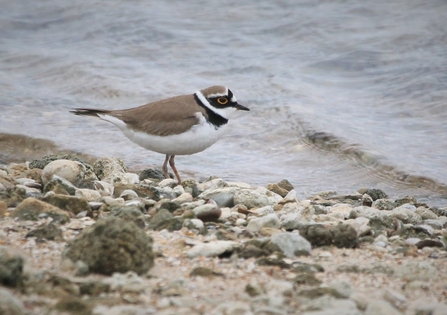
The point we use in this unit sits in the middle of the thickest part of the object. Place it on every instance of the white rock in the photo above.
(88, 194)
(291, 244)
(197, 224)
(270, 220)
(72, 171)
(224, 197)
(10, 304)
(241, 222)
(251, 198)
(183, 198)
(104, 188)
(343, 209)
(215, 248)
(407, 214)
(264, 210)
(167, 182)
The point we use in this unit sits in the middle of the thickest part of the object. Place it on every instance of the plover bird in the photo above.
(179, 125)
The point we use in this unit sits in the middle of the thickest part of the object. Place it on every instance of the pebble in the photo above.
(216, 248)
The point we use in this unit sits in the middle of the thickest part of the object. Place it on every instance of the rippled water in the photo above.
(343, 94)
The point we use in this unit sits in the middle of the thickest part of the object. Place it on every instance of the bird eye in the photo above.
(222, 100)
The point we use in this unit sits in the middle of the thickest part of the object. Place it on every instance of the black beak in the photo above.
(241, 107)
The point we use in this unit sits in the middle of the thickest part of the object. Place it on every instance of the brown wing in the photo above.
(166, 117)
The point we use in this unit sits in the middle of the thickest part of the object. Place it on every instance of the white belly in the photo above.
(196, 139)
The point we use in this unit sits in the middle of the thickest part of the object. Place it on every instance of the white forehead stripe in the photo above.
(203, 99)
(233, 99)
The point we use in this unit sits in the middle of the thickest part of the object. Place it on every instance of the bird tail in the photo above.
(89, 111)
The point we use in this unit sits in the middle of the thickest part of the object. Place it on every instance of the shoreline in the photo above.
(215, 247)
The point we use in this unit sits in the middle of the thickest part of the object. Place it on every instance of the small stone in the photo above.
(277, 189)
(306, 279)
(291, 244)
(411, 271)
(152, 173)
(69, 203)
(407, 214)
(270, 220)
(285, 184)
(205, 272)
(47, 231)
(129, 213)
(32, 209)
(251, 198)
(59, 185)
(376, 194)
(183, 198)
(216, 248)
(224, 197)
(73, 171)
(109, 169)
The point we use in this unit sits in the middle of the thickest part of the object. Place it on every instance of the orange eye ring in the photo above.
(222, 100)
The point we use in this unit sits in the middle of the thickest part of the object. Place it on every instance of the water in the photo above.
(343, 94)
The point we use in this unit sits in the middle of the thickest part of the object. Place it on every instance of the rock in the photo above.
(328, 305)
(190, 186)
(205, 272)
(183, 198)
(47, 231)
(152, 173)
(73, 171)
(380, 307)
(69, 203)
(278, 190)
(342, 235)
(251, 198)
(10, 304)
(224, 197)
(285, 184)
(88, 194)
(291, 244)
(208, 212)
(297, 216)
(129, 213)
(426, 214)
(256, 224)
(270, 261)
(158, 222)
(306, 279)
(108, 168)
(407, 214)
(112, 245)
(32, 209)
(73, 305)
(59, 185)
(216, 248)
(142, 190)
(11, 268)
(369, 213)
(376, 194)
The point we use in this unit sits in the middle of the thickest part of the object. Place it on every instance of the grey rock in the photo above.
(11, 267)
(32, 209)
(251, 198)
(152, 173)
(158, 221)
(425, 213)
(112, 245)
(291, 244)
(407, 214)
(342, 235)
(256, 224)
(59, 181)
(329, 305)
(109, 169)
(368, 212)
(224, 197)
(69, 203)
(129, 213)
(47, 231)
